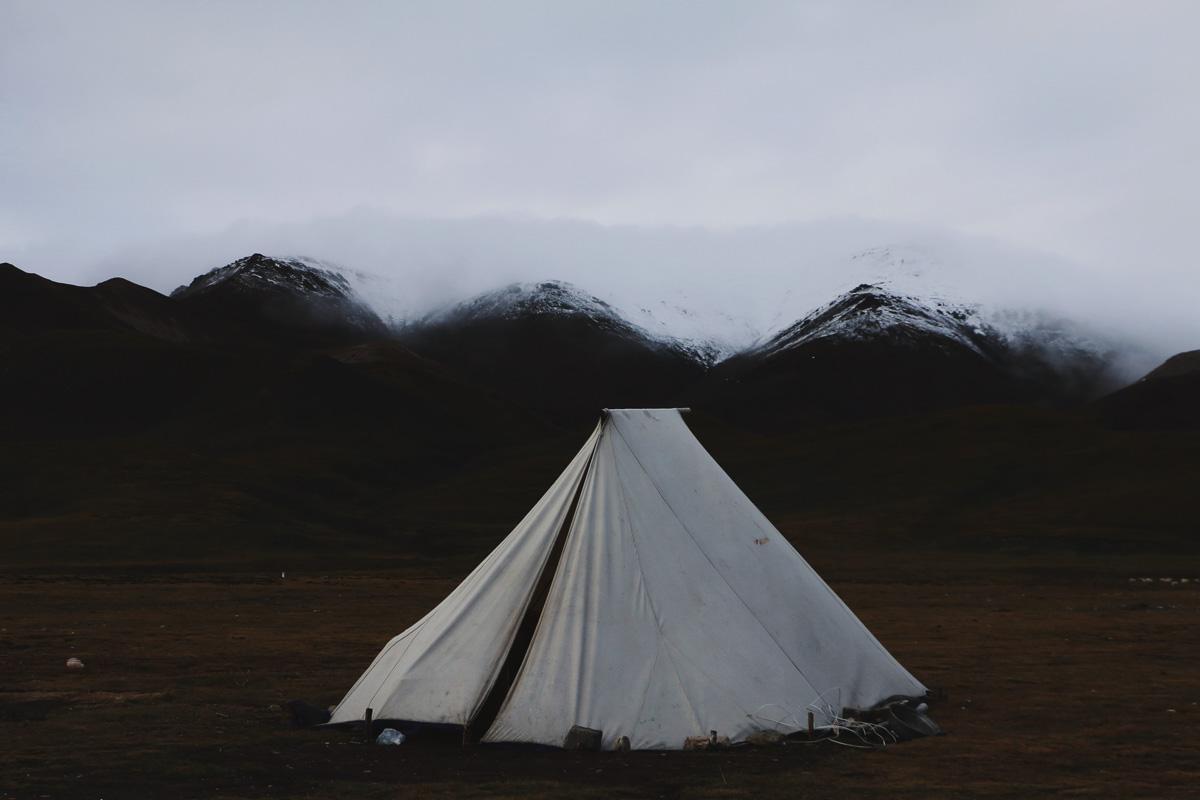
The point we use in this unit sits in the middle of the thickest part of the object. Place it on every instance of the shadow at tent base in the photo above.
(897, 719)
(432, 735)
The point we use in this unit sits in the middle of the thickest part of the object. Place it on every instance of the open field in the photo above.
(990, 549)
(1079, 683)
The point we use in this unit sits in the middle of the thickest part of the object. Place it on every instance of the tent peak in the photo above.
(604, 412)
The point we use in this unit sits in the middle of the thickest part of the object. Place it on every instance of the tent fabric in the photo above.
(440, 669)
(676, 608)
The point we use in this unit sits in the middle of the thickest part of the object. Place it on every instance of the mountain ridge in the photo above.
(519, 339)
(557, 298)
(873, 350)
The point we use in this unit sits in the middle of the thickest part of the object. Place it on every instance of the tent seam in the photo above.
(395, 641)
(399, 659)
(828, 589)
(671, 648)
(653, 611)
(724, 580)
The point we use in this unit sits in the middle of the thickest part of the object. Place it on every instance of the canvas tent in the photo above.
(643, 596)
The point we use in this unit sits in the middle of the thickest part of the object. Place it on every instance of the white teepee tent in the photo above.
(643, 596)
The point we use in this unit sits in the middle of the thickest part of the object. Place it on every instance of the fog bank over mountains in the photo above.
(736, 284)
(445, 149)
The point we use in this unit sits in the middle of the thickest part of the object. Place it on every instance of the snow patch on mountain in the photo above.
(559, 298)
(902, 291)
(915, 271)
(718, 333)
(872, 311)
(259, 271)
(516, 300)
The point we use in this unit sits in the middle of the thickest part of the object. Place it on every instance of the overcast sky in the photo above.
(1065, 128)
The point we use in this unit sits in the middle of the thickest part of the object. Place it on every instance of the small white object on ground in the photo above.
(74, 663)
(390, 736)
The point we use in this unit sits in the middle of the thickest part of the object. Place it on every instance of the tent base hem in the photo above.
(896, 719)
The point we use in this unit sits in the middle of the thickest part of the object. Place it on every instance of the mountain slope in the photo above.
(1168, 397)
(32, 305)
(79, 360)
(557, 349)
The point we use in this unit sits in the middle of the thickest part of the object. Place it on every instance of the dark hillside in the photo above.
(1168, 398)
(124, 445)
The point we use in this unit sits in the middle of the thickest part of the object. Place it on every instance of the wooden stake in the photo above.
(811, 726)
(367, 724)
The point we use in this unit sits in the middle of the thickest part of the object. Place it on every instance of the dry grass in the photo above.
(1058, 682)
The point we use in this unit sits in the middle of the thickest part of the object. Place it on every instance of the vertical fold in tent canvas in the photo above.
(441, 668)
(675, 608)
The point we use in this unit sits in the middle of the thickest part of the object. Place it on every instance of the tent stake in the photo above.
(811, 727)
(367, 724)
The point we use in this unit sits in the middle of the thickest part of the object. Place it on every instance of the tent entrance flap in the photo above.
(485, 715)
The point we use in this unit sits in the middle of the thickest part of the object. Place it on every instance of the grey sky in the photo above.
(1063, 127)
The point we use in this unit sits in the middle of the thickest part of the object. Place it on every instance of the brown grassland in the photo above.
(991, 551)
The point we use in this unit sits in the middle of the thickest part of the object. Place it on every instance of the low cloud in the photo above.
(764, 276)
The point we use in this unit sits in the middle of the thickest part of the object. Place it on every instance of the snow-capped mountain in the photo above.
(544, 298)
(883, 347)
(907, 294)
(877, 312)
(556, 348)
(872, 312)
(707, 336)
(910, 306)
(258, 272)
(712, 333)
(293, 293)
(564, 300)
(927, 287)
(873, 350)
